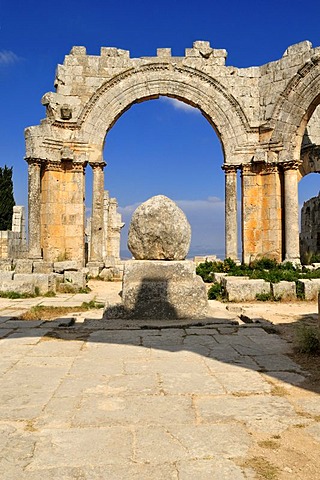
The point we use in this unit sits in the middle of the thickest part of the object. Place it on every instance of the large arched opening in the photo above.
(167, 147)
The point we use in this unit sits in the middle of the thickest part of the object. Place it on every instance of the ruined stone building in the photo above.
(112, 225)
(266, 117)
(310, 227)
(13, 243)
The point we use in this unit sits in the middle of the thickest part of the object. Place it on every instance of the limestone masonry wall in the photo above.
(310, 227)
(13, 242)
(265, 116)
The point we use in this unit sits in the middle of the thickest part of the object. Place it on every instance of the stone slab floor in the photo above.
(186, 402)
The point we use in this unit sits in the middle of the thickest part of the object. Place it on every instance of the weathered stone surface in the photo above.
(78, 279)
(18, 287)
(94, 268)
(6, 265)
(160, 289)
(311, 288)
(60, 267)
(284, 290)
(6, 276)
(43, 281)
(244, 290)
(310, 228)
(159, 230)
(42, 267)
(23, 266)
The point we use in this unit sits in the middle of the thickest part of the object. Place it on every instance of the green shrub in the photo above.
(264, 268)
(215, 292)
(300, 290)
(308, 339)
(15, 295)
(205, 270)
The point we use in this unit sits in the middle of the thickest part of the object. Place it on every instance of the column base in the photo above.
(294, 260)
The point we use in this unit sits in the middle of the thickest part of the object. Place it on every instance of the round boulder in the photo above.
(159, 230)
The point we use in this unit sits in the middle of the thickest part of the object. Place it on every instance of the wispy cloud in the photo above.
(178, 105)
(7, 57)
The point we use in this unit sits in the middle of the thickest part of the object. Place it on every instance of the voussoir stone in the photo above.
(159, 230)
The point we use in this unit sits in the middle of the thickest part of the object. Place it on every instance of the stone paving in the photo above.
(183, 401)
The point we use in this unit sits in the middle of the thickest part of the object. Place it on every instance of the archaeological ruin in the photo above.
(266, 118)
(310, 227)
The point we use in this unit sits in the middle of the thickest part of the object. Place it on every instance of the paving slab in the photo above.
(152, 400)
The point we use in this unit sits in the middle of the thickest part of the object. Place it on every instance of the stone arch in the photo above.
(115, 96)
(295, 107)
(264, 142)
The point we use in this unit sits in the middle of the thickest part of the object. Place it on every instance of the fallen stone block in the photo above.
(60, 267)
(160, 290)
(6, 265)
(217, 276)
(284, 290)
(239, 290)
(94, 268)
(77, 279)
(42, 267)
(42, 281)
(6, 276)
(23, 266)
(310, 288)
(18, 286)
(106, 274)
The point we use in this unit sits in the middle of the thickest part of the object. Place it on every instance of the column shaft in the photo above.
(96, 245)
(291, 212)
(34, 208)
(231, 220)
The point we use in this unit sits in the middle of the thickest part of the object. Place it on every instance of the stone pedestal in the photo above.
(156, 289)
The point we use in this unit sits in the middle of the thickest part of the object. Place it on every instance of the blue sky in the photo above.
(158, 146)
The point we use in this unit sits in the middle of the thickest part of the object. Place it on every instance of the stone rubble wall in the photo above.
(13, 242)
(29, 277)
(112, 225)
(242, 289)
(310, 227)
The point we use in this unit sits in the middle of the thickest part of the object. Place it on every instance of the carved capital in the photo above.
(34, 161)
(291, 165)
(228, 169)
(51, 166)
(96, 165)
(247, 169)
(270, 168)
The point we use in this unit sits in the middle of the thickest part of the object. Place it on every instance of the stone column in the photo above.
(96, 245)
(291, 212)
(34, 207)
(231, 220)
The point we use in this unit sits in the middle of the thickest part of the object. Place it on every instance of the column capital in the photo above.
(291, 165)
(101, 164)
(229, 168)
(247, 169)
(34, 161)
(271, 167)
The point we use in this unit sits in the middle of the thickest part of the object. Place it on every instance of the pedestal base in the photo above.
(157, 289)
